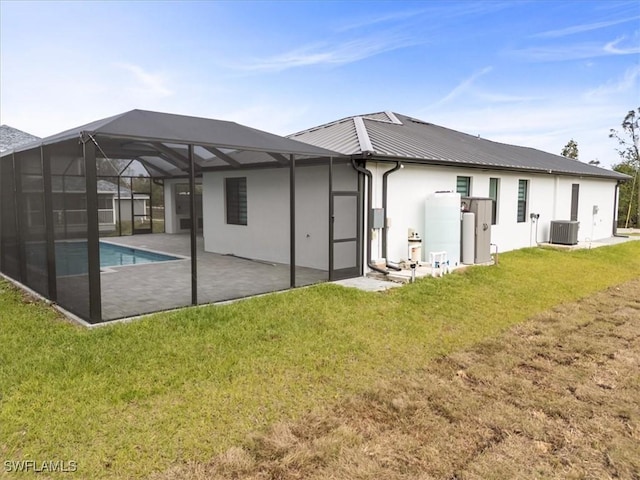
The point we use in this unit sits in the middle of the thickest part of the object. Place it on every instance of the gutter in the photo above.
(368, 209)
(486, 166)
(385, 229)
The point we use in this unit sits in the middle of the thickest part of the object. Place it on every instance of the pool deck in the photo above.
(138, 289)
(134, 290)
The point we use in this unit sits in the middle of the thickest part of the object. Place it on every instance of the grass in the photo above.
(127, 400)
(557, 396)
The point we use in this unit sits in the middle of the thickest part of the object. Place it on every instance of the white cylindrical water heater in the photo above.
(468, 238)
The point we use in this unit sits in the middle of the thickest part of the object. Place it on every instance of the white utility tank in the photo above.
(442, 225)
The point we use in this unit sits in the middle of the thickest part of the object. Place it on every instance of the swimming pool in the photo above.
(116, 255)
(71, 257)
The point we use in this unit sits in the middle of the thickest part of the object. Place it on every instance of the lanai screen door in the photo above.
(345, 239)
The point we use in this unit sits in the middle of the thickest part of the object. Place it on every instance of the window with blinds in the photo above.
(523, 187)
(463, 186)
(236, 200)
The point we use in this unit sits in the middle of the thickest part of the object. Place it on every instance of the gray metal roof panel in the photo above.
(340, 136)
(428, 143)
(170, 128)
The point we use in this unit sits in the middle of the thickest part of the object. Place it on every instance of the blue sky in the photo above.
(534, 73)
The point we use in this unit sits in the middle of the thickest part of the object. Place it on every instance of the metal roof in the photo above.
(389, 135)
(160, 141)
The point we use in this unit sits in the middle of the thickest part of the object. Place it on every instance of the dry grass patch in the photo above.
(555, 397)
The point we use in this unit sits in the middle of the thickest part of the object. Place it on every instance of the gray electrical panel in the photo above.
(482, 208)
(377, 218)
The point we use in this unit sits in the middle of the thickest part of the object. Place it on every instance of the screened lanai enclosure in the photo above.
(146, 211)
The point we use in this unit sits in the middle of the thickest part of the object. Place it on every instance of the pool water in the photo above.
(71, 257)
(116, 255)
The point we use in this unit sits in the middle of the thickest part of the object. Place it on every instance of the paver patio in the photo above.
(138, 289)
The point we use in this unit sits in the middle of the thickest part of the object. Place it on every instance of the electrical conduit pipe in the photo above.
(385, 229)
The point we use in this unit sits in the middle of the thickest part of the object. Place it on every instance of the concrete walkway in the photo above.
(626, 235)
(368, 284)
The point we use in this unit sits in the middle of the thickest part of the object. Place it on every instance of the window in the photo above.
(105, 202)
(236, 198)
(523, 187)
(463, 186)
(575, 193)
(494, 187)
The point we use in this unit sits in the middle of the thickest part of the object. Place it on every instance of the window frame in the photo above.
(467, 180)
(494, 196)
(235, 200)
(105, 201)
(523, 203)
(575, 201)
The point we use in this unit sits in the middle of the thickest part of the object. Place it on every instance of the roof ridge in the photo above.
(366, 116)
(390, 115)
(363, 136)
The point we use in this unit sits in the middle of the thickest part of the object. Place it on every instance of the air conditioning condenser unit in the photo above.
(564, 232)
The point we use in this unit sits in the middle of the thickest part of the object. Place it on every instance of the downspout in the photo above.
(385, 229)
(615, 211)
(369, 176)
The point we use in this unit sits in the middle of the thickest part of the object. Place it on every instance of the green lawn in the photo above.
(129, 399)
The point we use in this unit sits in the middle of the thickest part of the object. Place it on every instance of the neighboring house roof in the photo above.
(75, 184)
(388, 135)
(11, 138)
(105, 186)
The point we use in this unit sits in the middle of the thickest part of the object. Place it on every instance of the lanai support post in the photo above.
(93, 239)
(292, 219)
(331, 217)
(45, 158)
(194, 227)
(19, 211)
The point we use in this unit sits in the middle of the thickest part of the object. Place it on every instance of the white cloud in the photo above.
(628, 82)
(585, 27)
(546, 125)
(375, 20)
(614, 48)
(146, 83)
(328, 54)
(493, 97)
(559, 53)
(463, 86)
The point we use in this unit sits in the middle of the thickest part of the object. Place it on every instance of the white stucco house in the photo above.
(333, 201)
(529, 189)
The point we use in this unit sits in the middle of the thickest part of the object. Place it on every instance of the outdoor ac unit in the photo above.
(564, 232)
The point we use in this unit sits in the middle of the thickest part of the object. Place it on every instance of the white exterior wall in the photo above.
(548, 195)
(592, 193)
(171, 222)
(139, 206)
(266, 235)
(171, 218)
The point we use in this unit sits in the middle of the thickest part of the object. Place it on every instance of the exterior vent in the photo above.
(564, 232)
